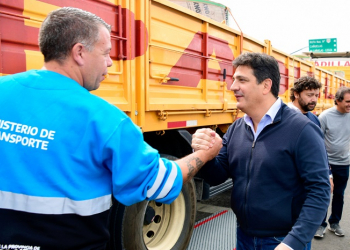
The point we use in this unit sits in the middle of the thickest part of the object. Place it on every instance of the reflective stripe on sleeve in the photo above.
(159, 179)
(53, 205)
(169, 183)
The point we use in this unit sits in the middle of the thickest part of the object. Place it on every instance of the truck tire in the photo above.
(171, 228)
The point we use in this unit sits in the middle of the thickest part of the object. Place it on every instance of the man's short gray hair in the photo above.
(339, 96)
(65, 27)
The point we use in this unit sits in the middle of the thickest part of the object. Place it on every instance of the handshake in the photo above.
(207, 139)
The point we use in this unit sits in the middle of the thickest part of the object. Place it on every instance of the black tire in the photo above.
(116, 215)
(171, 229)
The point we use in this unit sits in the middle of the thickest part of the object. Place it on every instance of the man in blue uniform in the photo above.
(64, 151)
(276, 159)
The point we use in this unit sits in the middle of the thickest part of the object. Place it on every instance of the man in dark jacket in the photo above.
(276, 159)
(304, 95)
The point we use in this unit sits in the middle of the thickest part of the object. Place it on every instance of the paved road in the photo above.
(332, 242)
(329, 242)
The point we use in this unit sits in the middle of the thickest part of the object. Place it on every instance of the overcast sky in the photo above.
(290, 24)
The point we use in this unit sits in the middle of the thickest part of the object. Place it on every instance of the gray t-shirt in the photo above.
(336, 129)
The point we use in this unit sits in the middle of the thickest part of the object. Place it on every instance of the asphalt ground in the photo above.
(329, 242)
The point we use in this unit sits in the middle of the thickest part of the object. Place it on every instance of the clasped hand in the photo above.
(205, 139)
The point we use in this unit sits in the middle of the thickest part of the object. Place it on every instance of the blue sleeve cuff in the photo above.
(293, 242)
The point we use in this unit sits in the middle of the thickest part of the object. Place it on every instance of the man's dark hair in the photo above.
(304, 83)
(339, 96)
(264, 67)
(65, 27)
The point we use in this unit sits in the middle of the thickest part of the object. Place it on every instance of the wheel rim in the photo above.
(166, 228)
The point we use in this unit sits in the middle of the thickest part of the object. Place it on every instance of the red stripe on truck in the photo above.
(176, 124)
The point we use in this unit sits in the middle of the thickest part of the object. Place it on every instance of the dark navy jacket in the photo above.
(313, 118)
(281, 183)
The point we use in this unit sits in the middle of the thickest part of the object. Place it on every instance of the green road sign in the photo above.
(323, 45)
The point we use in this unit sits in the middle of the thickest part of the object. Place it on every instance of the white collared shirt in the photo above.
(292, 106)
(266, 120)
